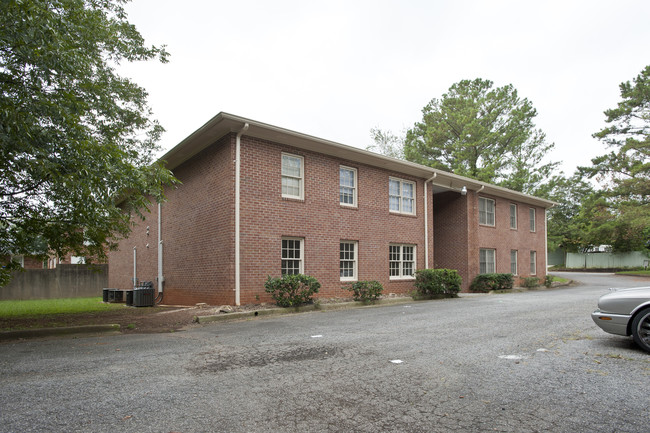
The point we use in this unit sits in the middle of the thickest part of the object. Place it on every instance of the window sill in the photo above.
(296, 199)
(401, 279)
(394, 212)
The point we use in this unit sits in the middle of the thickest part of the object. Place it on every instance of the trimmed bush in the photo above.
(437, 281)
(483, 283)
(548, 281)
(366, 291)
(530, 282)
(292, 290)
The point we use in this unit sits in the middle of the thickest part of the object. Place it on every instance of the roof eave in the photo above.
(225, 123)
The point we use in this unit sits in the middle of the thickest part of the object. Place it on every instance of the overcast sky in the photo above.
(335, 69)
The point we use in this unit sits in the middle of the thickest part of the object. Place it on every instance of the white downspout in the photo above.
(135, 276)
(546, 237)
(426, 222)
(161, 279)
(237, 212)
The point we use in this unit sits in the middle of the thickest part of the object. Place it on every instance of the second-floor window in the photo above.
(347, 186)
(532, 219)
(513, 216)
(486, 211)
(293, 176)
(401, 196)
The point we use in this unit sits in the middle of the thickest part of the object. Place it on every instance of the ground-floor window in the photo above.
(292, 256)
(513, 262)
(533, 262)
(401, 259)
(487, 264)
(348, 260)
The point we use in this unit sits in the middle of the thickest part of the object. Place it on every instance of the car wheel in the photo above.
(641, 329)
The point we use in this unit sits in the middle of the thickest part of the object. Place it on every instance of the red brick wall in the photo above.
(458, 236)
(197, 233)
(320, 220)
(503, 239)
(33, 263)
(450, 233)
(198, 228)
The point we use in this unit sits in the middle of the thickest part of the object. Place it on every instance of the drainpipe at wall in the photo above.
(237, 211)
(161, 279)
(426, 221)
(135, 276)
(546, 236)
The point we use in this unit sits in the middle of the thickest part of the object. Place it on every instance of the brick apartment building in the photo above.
(257, 200)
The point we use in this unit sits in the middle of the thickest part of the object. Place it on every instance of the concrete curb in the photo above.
(306, 308)
(49, 332)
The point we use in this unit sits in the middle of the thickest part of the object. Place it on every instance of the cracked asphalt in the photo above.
(516, 362)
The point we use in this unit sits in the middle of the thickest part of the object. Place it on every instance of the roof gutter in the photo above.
(238, 213)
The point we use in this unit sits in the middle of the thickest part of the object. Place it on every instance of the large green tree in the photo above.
(624, 172)
(570, 220)
(75, 137)
(482, 132)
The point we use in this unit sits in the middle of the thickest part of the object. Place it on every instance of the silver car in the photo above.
(626, 312)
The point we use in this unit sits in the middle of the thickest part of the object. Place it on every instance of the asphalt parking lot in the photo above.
(516, 362)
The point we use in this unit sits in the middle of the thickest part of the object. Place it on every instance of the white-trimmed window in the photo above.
(348, 260)
(485, 211)
(292, 256)
(401, 259)
(18, 258)
(293, 175)
(401, 195)
(513, 216)
(347, 186)
(533, 263)
(487, 264)
(531, 213)
(513, 262)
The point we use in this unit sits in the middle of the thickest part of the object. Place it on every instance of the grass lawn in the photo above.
(560, 279)
(643, 273)
(44, 307)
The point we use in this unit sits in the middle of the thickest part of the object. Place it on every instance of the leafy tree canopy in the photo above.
(624, 209)
(484, 133)
(74, 135)
(570, 220)
(386, 143)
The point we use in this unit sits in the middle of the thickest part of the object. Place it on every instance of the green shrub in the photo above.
(292, 290)
(548, 281)
(366, 291)
(485, 282)
(437, 281)
(531, 282)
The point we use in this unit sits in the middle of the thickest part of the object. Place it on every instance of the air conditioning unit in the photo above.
(143, 295)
